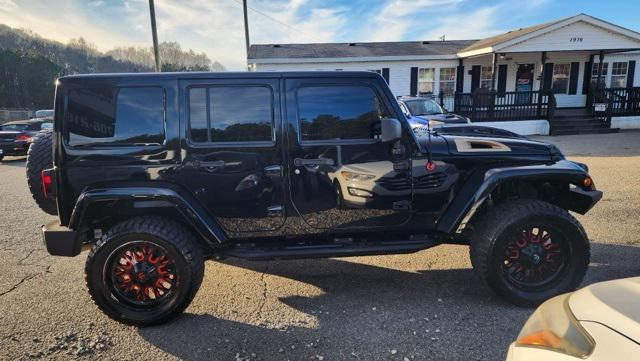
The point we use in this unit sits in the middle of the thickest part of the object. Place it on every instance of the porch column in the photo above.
(543, 62)
(493, 71)
(460, 76)
(601, 59)
(459, 85)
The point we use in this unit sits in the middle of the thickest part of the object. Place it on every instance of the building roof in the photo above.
(357, 50)
(499, 39)
(405, 50)
(498, 42)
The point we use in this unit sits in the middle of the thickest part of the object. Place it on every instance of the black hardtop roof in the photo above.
(224, 75)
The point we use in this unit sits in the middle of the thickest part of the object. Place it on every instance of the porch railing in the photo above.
(620, 101)
(490, 106)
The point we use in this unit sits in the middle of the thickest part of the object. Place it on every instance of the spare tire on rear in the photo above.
(39, 157)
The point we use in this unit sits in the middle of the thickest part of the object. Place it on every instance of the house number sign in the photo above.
(575, 39)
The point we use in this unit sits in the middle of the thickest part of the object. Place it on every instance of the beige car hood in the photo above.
(615, 304)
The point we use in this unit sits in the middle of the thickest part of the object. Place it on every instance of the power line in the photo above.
(274, 19)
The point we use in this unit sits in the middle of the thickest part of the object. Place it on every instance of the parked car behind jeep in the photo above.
(15, 137)
(426, 112)
(158, 172)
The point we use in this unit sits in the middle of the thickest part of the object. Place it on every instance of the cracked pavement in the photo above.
(427, 305)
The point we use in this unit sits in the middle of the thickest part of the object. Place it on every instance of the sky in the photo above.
(216, 27)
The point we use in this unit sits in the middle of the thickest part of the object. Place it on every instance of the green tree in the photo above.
(27, 80)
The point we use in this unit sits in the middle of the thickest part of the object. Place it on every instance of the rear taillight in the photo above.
(23, 137)
(47, 180)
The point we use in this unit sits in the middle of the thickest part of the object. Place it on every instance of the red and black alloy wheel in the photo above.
(144, 270)
(529, 250)
(534, 257)
(142, 274)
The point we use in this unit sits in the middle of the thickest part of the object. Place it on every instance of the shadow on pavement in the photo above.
(467, 316)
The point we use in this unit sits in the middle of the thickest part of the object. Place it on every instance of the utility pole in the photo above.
(246, 26)
(156, 51)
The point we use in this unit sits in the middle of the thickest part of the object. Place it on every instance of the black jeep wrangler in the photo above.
(159, 172)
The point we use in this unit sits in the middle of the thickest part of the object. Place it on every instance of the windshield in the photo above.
(424, 107)
(15, 127)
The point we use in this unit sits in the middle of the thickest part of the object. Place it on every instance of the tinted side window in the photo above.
(198, 114)
(339, 112)
(110, 116)
(231, 114)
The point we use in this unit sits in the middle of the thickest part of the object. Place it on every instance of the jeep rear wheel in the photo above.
(40, 157)
(529, 251)
(144, 271)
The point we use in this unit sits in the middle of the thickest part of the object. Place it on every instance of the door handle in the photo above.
(299, 162)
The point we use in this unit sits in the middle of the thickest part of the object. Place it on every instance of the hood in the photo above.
(612, 303)
(447, 118)
(473, 140)
(477, 131)
(378, 169)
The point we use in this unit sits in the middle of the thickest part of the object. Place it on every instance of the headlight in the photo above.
(433, 123)
(358, 177)
(360, 192)
(553, 326)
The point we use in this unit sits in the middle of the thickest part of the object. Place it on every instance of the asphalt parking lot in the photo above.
(428, 305)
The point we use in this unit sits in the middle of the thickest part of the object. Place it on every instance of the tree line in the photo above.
(29, 64)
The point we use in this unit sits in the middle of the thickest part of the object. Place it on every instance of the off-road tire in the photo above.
(179, 243)
(39, 157)
(488, 236)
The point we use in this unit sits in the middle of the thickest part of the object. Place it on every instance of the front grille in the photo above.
(397, 183)
(429, 181)
(401, 183)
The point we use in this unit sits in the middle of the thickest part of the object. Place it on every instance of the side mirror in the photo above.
(391, 130)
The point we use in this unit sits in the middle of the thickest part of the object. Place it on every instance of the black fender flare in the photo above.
(152, 197)
(480, 185)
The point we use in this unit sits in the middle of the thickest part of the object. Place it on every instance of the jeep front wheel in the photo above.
(529, 251)
(144, 271)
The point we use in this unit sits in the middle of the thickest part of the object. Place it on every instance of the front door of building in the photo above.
(524, 83)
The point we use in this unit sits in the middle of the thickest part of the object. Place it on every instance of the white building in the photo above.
(561, 58)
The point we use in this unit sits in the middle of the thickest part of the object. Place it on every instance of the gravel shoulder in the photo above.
(428, 305)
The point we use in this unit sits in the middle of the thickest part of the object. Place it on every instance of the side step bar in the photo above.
(258, 253)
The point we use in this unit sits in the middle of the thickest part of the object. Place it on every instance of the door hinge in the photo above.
(273, 171)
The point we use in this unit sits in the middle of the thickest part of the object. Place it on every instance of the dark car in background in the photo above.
(426, 112)
(15, 137)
